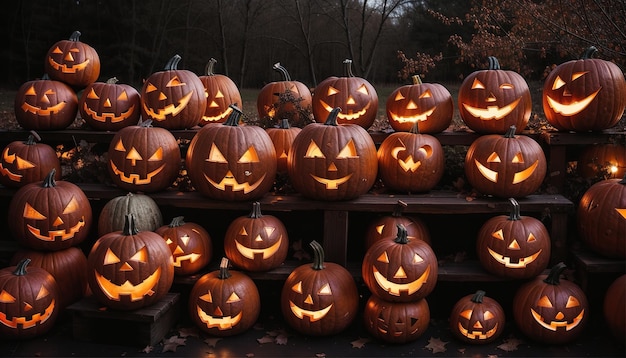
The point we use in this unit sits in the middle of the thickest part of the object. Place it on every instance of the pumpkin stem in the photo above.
(402, 236)
(417, 80)
(493, 63)
(510, 133)
(233, 117)
(172, 64)
(224, 273)
(177, 221)
(45, 77)
(20, 269)
(256, 211)
(478, 296)
(129, 225)
(145, 123)
(32, 137)
(589, 53)
(284, 124)
(555, 272)
(331, 120)
(112, 81)
(318, 255)
(49, 181)
(208, 70)
(415, 128)
(75, 36)
(515, 210)
(277, 66)
(348, 65)
(399, 208)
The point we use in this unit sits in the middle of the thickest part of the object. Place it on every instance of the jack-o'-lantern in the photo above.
(73, 62)
(551, 310)
(614, 310)
(396, 322)
(354, 95)
(25, 162)
(331, 161)
(602, 218)
(190, 243)
(228, 161)
(583, 95)
(410, 161)
(144, 158)
(430, 104)
(493, 100)
(606, 160)
(319, 299)
(282, 137)
(513, 246)
(50, 215)
(45, 104)
(400, 270)
(256, 242)
(173, 98)
(145, 210)
(130, 269)
(224, 303)
(284, 99)
(386, 227)
(477, 319)
(505, 165)
(220, 92)
(29, 301)
(110, 106)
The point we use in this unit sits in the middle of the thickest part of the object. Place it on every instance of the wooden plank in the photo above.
(571, 138)
(591, 262)
(335, 242)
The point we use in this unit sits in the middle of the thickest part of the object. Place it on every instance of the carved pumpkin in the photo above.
(256, 242)
(410, 161)
(607, 160)
(386, 227)
(68, 267)
(220, 92)
(130, 269)
(73, 62)
(190, 244)
(477, 319)
(228, 161)
(29, 301)
(505, 166)
(282, 137)
(513, 246)
(25, 162)
(582, 95)
(396, 322)
(493, 100)
(224, 303)
(284, 99)
(602, 218)
(430, 104)
(173, 98)
(400, 270)
(551, 310)
(45, 104)
(144, 209)
(614, 310)
(356, 97)
(144, 158)
(319, 299)
(110, 106)
(50, 215)
(331, 161)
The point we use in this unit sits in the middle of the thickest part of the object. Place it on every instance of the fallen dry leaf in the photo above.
(265, 339)
(170, 344)
(359, 343)
(211, 342)
(188, 332)
(510, 344)
(436, 345)
(282, 339)
(320, 355)
(147, 349)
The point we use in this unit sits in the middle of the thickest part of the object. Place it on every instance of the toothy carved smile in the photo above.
(491, 112)
(395, 288)
(68, 69)
(53, 234)
(110, 116)
(249, 253)
(573, 108)
(136, 292)
(230, 181)
(349, 115)
(506, 261)
(28, 323)
(477, 334)
(553, 325)
(221, 323)
(420, 117)
(170, 109)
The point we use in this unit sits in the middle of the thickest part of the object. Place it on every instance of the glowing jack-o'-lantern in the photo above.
(110, 106)
(284, 99)
(224, 303)
(25, 162)
(144, 158)
(190, 243)
(331, 161)
(319, 299)
(551, 310)
(50, 215)
(493, 100)
(73, 62)
(602, 218)
(505, 166)
(603, 160)
(400, 270)
(282, 137)
(477, 319)
(430, 104)
(29, 301)
(256, 242)
(396, 322)
(228, 161)
(386, 227)
(220, 92)
(173, 98)
(130, 269)
(45, 104)
(584, 95)
(354, 95)
(513, 246)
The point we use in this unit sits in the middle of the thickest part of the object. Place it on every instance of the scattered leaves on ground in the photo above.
(360, 343)
(172, 343)
(436, 345)
(510, 344)
(211, 342)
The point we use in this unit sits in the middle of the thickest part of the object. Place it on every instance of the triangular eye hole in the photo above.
(363, 89)
(383, 258)
(332, 91)
(531, 238)
(32, 213)
(31, 91)
(399, 97)
(325, 290)
(6, 297)
(141, 255)
(544, 302)
(426, 94)
(157, 156)
(250, 156)
(506, 86)
(123, 96)
(314, 151)
(467, 314)
(72, 206)
(477, 84)
(297, 287)
(43, 292)
(488, 315)
(57, 50)
(207, 297)
(219, 94)
(518, 158)
(498, 235)
(23, 163)
(93, 95)
(174, 82)
(110, 258)
(577, 75)
(572, 302)
(150, 88)
(119, 146)
(417, 259)
(558, 83)
(215, 155)
(349, 151)
(493, 158)
(233, 298)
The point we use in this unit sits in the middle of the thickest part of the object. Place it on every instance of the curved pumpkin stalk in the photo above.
(75, 36)
(130, 228)
(555, 273)
(208, 70)
(494, 64)
(224, 273)
(233, 118)
(515, 210)
(331, 120)
(402, 235)
(278, 67)
(172, 64)
(256, 211)
(348, 67)
(20, 269)
(177, 222)
(49, 181)
(478, 296)
(318, 255)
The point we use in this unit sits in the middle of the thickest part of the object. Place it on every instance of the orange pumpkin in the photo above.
(110, 106)
(284, 99)
(73, 62)
(190, 243)
(45, 104)
(220, 92)
(477, 319)
(25, 162)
